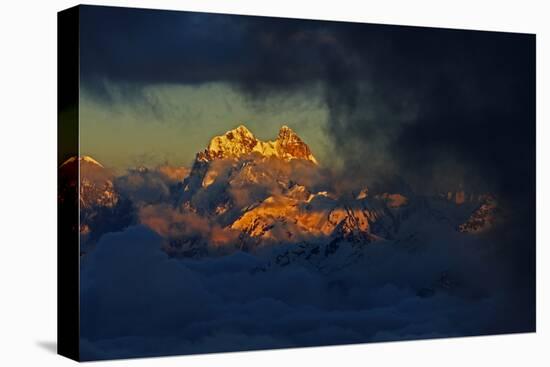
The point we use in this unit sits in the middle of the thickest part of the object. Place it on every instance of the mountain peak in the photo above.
(87, 158)
(234, 143)
(84, 158)
(242, 129)
(240, 141)
(285, 129)
(286, 134)
(291, 146)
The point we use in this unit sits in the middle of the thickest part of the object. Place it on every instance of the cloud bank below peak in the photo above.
(202, 306)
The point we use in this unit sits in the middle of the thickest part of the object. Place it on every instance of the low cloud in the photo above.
(136, 301)
(149, 186)
(174, 174)
(179, 223)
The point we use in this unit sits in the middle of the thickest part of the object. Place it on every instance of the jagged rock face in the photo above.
(233, 144)
(482, 218)
(94, 192)
(291, 218)
(290, 146)
(240, 142)
(96, 185)
(101, 207)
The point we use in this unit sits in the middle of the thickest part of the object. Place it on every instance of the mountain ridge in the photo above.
(240, 141)
(245, 193)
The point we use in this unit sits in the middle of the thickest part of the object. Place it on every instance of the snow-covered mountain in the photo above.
(269, 194)
(96, 185)
(241, 142)
(236, 162)
(102, 209)
(251, 195)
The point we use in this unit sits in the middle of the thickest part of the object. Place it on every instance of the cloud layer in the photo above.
(136, 301)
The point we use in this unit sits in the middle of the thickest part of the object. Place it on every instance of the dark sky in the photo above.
(440, 108)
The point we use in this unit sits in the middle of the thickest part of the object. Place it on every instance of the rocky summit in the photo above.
(240, 142)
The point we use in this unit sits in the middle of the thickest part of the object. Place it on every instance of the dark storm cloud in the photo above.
(146, 46)
(439, 107)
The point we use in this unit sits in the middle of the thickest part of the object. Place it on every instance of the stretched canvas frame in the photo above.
(394, 199)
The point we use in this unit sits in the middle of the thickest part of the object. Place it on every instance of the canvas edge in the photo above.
(68, 253)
